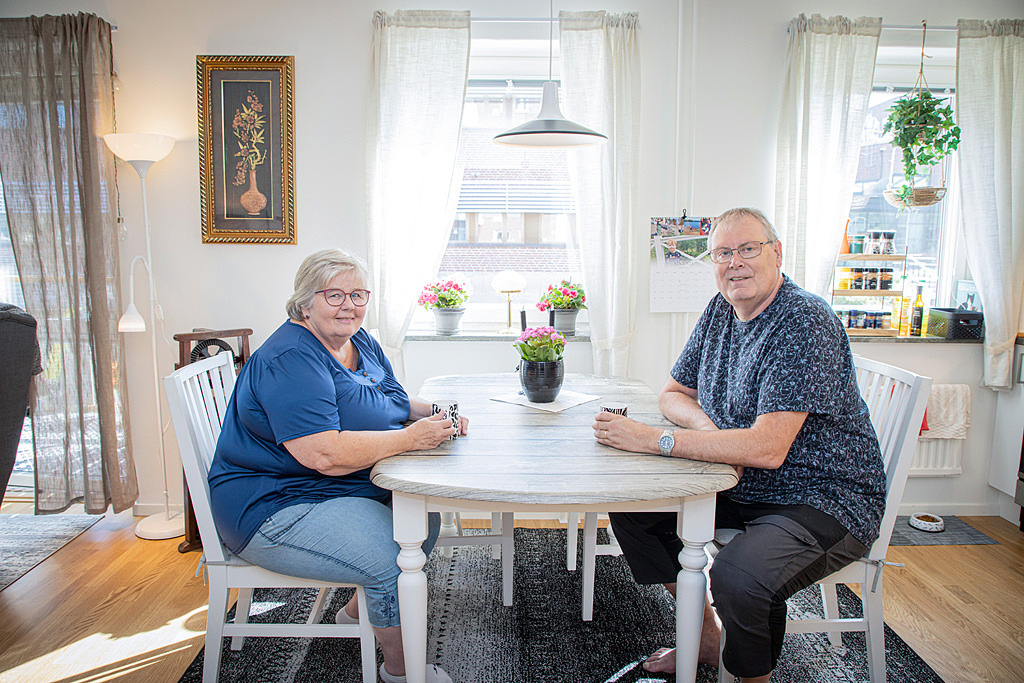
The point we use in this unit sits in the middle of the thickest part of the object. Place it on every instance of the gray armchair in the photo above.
(19, 360)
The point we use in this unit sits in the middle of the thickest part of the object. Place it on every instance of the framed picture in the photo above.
(967, 297)
(246, 173)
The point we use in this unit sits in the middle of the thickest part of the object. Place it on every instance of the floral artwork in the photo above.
(540, 344)
(246, 143)
(565, 294)
(248, 126)
(443, 294)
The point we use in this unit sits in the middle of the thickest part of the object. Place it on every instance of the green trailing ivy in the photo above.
(922, 126)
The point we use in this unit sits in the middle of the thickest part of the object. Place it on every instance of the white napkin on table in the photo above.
(564, 401)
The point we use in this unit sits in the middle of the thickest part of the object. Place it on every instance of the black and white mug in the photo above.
(451, 412)
(613, 407)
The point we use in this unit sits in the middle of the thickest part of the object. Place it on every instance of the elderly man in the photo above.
(766, 384)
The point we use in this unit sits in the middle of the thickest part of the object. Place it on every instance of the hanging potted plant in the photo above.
(445, 298)
(565, 299)
(924, 129)
(541, 369)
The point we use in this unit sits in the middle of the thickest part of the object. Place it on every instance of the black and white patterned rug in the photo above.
(26, 540)
(541, 637)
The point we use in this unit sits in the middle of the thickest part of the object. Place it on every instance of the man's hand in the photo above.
(625, 434)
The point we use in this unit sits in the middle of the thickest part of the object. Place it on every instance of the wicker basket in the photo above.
(920, 196)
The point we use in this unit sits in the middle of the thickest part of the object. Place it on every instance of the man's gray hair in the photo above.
(745, 212)
(316, 271)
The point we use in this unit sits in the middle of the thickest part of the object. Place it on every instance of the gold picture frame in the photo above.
(246, 165)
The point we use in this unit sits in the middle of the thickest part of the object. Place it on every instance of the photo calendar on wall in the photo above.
(682, 279)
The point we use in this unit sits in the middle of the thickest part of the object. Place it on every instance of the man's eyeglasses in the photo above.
(745, 250)
(336, 297)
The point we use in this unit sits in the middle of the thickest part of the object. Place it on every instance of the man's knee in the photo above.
(733, 586)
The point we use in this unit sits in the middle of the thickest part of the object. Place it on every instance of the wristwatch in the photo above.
(666, 442)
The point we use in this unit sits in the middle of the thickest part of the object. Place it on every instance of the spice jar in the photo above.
(885, 278)
(856, 278)
(873, 243)
(888, 241)
(871, 278)
(856, 244)
(886, 320)
(843, 280)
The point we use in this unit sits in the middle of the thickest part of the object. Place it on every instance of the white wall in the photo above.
(721, 156)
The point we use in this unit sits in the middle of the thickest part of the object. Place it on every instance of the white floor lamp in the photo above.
(142, 150)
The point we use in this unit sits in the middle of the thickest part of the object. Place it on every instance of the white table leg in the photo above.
(410, 522)
(696, 528)
(572, 537)
(589, 563)
(447, 529)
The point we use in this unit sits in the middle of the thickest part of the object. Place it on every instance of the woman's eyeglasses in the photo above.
(336, 297)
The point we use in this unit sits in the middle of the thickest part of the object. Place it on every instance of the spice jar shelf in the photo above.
(867, 292)
(869, 269)
(856, 332)
(871, 257)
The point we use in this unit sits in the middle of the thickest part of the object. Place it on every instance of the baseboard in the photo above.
(956, 509)
(146, 509)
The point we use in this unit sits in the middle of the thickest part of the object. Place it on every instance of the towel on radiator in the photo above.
(949, 412)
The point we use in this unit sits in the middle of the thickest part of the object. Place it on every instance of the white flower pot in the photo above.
(448, 320)
(565, 321)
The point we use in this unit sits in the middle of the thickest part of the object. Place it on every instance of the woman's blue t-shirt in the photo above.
(291, 387)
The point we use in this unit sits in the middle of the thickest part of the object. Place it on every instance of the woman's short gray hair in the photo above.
(316, 271)
(745, 212)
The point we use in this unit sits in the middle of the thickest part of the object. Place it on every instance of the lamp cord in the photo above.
(551, 38)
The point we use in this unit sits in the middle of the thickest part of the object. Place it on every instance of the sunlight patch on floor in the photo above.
(103, 657)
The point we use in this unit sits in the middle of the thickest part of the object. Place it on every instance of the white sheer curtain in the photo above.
(990, 110)
(420, 64)
(601, 90)
(830, 66)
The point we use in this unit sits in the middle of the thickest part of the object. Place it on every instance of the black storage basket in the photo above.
(952, 323)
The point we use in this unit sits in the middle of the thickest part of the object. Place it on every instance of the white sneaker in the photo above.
(435, 674)
(342, 617)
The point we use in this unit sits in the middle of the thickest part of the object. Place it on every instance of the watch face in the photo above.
(666, 442)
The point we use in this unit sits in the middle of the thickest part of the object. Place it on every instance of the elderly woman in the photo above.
(313, 409)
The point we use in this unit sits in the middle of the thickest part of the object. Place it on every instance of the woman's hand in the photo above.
(623, 433)
(430, 432)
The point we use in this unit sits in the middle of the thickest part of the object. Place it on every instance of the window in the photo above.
(515, 207)
(926, 232)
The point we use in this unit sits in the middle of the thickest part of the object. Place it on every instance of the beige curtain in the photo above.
(420, 63)
(58, 183)
(829, 70)
(990, 111)
(601, 90)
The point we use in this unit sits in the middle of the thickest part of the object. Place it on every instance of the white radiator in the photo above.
(940, 449)
(937, 458)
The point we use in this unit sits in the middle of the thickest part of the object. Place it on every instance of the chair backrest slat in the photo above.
(198, 396)
(896, 399)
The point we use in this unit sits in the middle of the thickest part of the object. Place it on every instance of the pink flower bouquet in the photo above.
(540, 344)
(443, 294)
(565, 294)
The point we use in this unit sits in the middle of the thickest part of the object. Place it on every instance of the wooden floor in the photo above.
(111, 607)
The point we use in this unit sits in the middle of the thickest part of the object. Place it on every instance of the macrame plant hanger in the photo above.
(920, 196)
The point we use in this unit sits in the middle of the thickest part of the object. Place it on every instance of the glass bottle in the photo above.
(917, 314)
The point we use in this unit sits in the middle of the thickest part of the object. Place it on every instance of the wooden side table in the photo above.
(194, 346)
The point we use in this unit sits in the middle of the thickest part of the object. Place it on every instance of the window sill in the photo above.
(481, 332)
(912, 340)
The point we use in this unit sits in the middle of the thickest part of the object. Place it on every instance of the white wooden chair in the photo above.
(896, 400)
(198, 394)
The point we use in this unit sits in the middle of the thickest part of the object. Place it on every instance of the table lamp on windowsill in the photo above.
(508, 282)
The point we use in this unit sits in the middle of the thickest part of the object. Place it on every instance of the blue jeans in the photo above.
(345, 540)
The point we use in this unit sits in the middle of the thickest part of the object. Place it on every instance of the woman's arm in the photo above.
(337, 453)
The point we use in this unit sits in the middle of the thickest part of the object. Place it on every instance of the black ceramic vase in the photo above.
(541, 380)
